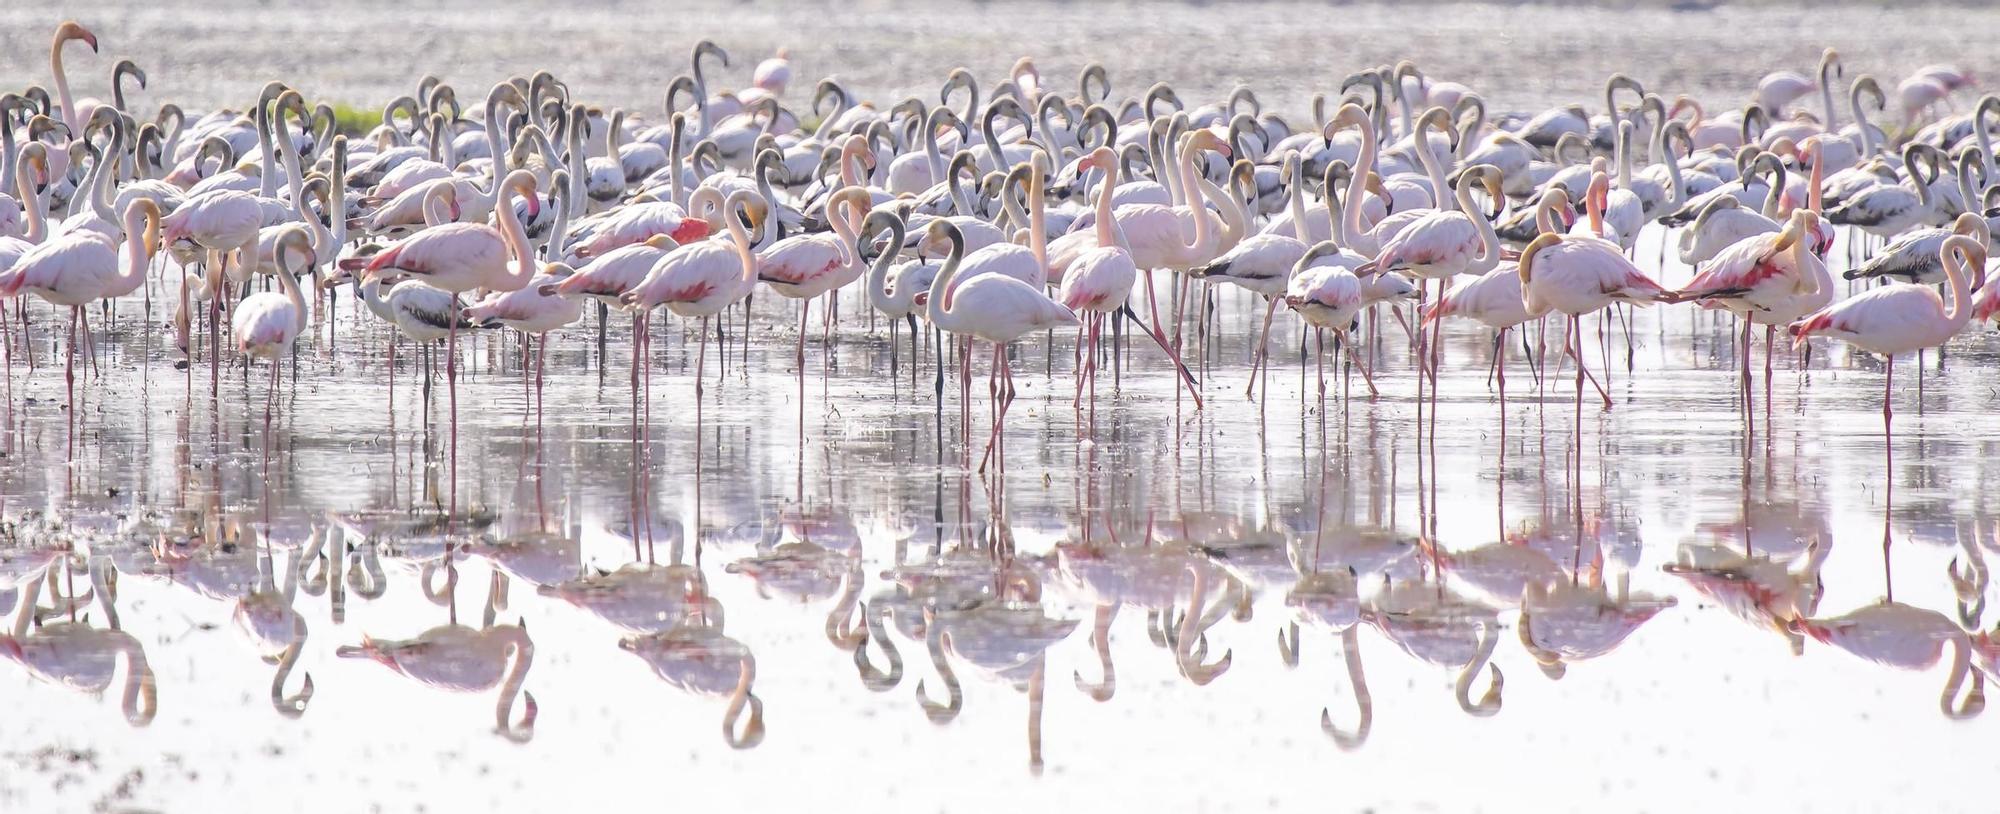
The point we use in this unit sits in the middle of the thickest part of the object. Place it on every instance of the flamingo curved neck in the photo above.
(739, 239)
(1295, 200)
(1431, 166)
(1676, 185)
(100, 192)
(933, 156)
(1489, 240)
(676, 183)
(137, 224)
(1961, 307)
(961, 201)
(1209, 193)
(1357, 186)
(934, 308)
(62, 88)
(1107, 231)
(1868, 145)
(295, 180)
(289, 278)
(522, 268)
(37, 206)
(1038, 224)
(879, 295)
(267, 183)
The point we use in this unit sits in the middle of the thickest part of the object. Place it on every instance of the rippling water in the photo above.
(1108, 625)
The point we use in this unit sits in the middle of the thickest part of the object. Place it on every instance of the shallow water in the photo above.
(809, 502)
(809, 496)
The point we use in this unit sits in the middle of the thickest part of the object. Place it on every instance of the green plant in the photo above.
(356, 121)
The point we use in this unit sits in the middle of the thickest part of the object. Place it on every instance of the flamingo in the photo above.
(1768, 279)
(1900, 317)
(264, 325)
(892, 288)
(460, 257)
(1578, 274)
(76, 269)
(1447, 243)
(993, 307)
(535, 310)
(701, 279)
(224, 223)
(69, 30)
(1100, 280)
(1262, 263)
(806, 266)
(1494, 298)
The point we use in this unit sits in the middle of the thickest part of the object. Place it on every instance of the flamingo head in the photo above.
(73, 30)
(370, 649)
(1103, 158)
(1200, 140)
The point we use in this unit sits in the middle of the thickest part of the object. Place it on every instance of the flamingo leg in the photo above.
(451, 383)
(1260, 358)
(701, 362)
(69, 379)
(1192, 387)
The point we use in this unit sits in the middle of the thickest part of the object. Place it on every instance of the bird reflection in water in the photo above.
(76, 654)
(1004, 634)
(694, 656)
(461, 658)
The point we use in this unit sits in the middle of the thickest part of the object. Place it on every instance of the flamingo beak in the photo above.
(534, 207)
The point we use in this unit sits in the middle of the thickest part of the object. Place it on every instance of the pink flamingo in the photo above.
(701, 279)
(803, 267)
(1494, 298)
(460, 257)
(266, 324)
(224, 223)
(1263, 263)
(77, 269)
(1900, 317)
(992, 307)
(536, 310)
(1768, 279)
(1581, 273)
(1100, 280)
(1444, 244)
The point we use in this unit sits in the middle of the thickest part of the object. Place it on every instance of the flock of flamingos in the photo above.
(985, 222)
